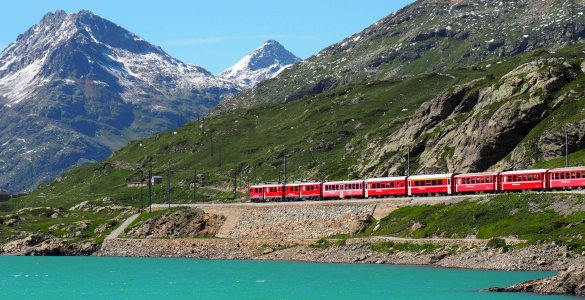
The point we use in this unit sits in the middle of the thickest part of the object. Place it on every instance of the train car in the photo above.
(431, 184)
(274, 192)
(523, 180)
(257, 193)
(567, 178)
(310, 191)
(476, 182)
(385, 187)
(292, 192)
(343, 189)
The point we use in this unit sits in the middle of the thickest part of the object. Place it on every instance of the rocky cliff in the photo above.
(179, 223)
(489, 123)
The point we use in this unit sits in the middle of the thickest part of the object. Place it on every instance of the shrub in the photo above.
(497, 243)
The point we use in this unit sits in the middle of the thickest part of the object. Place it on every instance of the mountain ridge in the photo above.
(425, 36)
(90, 86)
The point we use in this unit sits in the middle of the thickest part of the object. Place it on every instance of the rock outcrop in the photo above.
(187, 222)
(45, 245)
(483, 124)
(569, 282)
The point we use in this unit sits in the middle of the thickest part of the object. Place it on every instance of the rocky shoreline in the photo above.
(538, 257)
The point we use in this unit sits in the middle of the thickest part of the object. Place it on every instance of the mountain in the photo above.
(74, 88)
(263, 63)
(426, 36)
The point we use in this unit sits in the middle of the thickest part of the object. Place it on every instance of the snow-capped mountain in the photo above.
(263, 63)
(75, 87)
(73, 47)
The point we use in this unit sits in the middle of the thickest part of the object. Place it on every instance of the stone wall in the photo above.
(301, 221)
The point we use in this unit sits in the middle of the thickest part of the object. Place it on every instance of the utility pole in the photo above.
(566, 148)
(285, 175)
(194, 184)
(141, 189)
(150, 188)
(219, 149)
(169, 184)
(408, 161)
(235, 182)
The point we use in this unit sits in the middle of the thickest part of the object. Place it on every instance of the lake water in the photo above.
(159, 278)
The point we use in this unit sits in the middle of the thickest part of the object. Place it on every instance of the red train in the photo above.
(434, 184)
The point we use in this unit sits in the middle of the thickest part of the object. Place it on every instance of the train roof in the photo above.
(303, 183)
(266, 185)
(477, 174)
(431, 176)
(524, 172)
(386, 178)
(344, 181)
(567, 169)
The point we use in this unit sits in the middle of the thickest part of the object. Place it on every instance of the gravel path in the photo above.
(121, 228)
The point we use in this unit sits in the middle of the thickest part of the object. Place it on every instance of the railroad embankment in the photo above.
(296, 231)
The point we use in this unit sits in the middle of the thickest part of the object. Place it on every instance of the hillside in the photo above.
(354, 131)
(426, 36)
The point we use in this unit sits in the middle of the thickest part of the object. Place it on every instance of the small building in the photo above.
(156, 180)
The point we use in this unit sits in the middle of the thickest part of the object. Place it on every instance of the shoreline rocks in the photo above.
(569, 282)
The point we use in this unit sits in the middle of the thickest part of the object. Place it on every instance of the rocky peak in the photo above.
(263, 63)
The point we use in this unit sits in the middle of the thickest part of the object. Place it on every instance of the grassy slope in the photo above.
(313, 131)
(527, 216)
(322, 136)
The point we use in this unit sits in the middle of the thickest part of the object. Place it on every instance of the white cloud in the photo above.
(220, 39)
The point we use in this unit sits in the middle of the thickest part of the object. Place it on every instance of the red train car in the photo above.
(567, 178)
(523, 180)
(343, 189)
(310, 191)
(384, 187)
(476, 182)
(274, 192)
(431, 184)
(257, 193)
(292, 191)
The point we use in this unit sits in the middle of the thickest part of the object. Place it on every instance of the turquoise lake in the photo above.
(160, 278)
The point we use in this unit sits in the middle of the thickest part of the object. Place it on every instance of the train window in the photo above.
(429, 182)
(578, 174)
(562, 175)
(573, 176)
(529, 177)
(583, 174)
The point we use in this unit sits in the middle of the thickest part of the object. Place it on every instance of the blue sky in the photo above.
(215, 33)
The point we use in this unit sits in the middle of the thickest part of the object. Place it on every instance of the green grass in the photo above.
(39, 221)
(526, 216)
